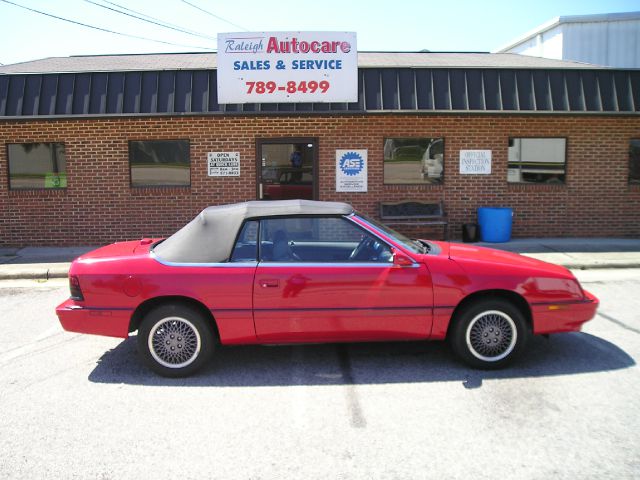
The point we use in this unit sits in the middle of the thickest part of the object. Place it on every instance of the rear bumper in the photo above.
(97, 321)
(564, 317)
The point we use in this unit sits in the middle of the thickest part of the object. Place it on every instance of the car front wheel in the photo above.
(175, 340)
(489, 333)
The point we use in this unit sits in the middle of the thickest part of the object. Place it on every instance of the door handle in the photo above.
(269, 283)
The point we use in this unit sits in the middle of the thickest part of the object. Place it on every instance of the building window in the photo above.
(413, 160)
(37, 165)
(160, 163)
(634, 162)
(537, 160)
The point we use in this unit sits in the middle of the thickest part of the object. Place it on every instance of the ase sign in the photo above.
(282, 67)
(351, 170)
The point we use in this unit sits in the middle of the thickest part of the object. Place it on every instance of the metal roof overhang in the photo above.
(380, 90)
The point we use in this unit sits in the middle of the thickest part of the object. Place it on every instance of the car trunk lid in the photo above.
(117, 250)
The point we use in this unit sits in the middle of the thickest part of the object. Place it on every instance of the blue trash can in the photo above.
(495, 224)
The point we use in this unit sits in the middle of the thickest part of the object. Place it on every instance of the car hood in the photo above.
(471, 253)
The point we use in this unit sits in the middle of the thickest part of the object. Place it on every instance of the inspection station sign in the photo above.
(351, 170)
(223, 164)
(283, 67)
(475, 162)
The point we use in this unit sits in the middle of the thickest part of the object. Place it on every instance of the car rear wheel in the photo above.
(175, 340)
(489, 333)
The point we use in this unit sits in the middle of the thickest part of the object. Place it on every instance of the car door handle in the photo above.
(269, 283)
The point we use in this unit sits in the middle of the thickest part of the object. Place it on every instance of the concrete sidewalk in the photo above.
(43, 263)
(577, 253)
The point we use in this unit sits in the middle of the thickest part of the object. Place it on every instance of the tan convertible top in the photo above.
(209, 238)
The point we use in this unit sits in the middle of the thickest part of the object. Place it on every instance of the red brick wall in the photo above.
(99, 206)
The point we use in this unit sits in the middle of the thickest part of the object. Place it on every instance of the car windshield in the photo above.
(413, 245)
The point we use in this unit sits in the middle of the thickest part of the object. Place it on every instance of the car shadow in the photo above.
(365, 363)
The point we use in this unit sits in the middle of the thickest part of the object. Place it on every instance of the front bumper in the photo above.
(109, 322)
(564, 317)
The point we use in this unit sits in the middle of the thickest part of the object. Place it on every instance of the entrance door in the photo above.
(287, 168)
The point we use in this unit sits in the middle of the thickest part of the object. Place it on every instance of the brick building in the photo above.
(105, 148)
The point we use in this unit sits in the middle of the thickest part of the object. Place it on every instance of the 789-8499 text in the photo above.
(291, 87)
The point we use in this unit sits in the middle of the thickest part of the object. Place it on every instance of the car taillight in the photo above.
(74, 287)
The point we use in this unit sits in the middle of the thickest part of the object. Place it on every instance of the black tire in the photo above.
(175, 340)
(489, 333)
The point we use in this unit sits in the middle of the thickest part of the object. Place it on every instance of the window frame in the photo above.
(43, 189)
(441, 179)
(156, 140)
(566, 160)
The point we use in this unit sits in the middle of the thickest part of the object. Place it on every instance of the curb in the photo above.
(34, 271)
(599, 266)
(580, 264)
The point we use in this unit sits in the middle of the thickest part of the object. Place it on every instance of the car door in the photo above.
(328, 279)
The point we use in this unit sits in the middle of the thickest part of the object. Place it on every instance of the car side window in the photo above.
(319, 240)
(246, 247)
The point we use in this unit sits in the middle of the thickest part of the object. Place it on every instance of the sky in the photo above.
(390, 25)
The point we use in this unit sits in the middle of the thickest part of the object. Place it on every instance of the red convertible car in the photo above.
(297, 271)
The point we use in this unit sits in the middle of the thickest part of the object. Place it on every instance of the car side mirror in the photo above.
(401, 260)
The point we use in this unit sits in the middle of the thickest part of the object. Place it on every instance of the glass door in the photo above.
(287, 168)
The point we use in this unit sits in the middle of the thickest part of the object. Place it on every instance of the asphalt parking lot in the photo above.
(77, 406)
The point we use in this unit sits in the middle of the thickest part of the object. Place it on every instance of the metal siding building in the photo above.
(611, 40)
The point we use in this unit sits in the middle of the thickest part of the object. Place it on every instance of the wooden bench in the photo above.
(414, 213)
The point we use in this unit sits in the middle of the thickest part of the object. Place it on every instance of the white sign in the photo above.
(224, 164)
(475, 162)
(351, 170)
(283, 67)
